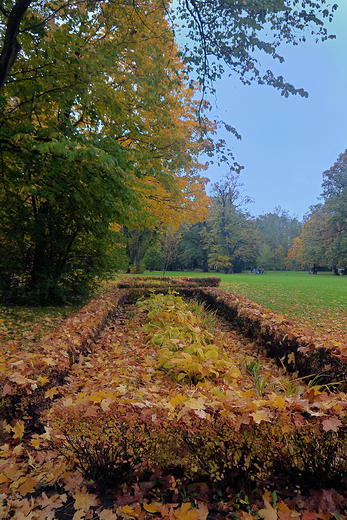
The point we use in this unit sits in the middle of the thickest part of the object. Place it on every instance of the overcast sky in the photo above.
(287, 143)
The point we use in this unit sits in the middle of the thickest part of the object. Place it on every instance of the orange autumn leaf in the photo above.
(28, 486)
(185, 512)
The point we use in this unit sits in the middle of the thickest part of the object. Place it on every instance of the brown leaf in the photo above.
(332, 423)
(268, 513)
(28, 486)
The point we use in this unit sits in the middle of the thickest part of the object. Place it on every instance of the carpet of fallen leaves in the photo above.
(38, 482)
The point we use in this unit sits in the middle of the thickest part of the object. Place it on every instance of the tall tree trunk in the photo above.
(11, 45)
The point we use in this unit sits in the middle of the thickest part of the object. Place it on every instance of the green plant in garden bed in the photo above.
(186, 348)
(254, 369)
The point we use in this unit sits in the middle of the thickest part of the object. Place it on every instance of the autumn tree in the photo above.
(230, 237)
(169, 238)
(228, 31)
(315, 237)
(335, 201)
(293, 257)
(324, 235)
(97, 126)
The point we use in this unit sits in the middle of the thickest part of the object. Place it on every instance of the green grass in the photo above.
(319, 300)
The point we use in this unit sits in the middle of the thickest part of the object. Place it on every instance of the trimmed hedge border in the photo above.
(281, 338)
(73, 339)
(172, 282)
(294, 347)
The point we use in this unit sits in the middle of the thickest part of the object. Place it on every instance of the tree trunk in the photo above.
(11, 45)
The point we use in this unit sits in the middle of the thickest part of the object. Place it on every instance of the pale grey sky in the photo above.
(287, 143)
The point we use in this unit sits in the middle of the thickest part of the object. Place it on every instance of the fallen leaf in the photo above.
(84, 500)
(151, 508)
(28, 486)
(51, 392)
(108, 514)
(18, 430)
(268, 513)
(331, 424)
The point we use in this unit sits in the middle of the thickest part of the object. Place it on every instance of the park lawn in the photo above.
(319, 301)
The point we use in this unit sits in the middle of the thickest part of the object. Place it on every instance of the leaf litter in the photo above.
(38, 481)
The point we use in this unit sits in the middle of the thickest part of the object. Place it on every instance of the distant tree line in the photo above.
(229, 240)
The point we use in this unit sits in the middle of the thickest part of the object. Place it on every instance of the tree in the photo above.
(97, 126)
(293, 257)
(230, 235)
(193, 253)
(138, 241)
(335, 198)
(169, 238)
(278, 230)
(324, 234)
(315, 237)
(228, 30)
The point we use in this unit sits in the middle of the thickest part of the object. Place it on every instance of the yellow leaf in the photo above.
(43, 380)
(51, 392)
(261, 415)
(151, 508)
(97, 398)
(129, 511)
(3, 478)
(211, 354)
(18, 430)
(277, 401)
(234, 372)
(84, 500)
(186, 513)
(267, 495)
